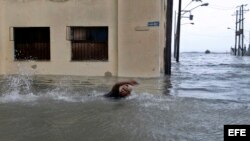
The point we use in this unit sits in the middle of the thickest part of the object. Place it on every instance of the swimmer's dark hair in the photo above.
(121, 89)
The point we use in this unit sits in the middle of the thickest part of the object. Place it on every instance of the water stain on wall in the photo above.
(58, 0)
(37, 0)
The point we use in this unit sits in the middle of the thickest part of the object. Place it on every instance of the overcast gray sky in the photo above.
(210, 25)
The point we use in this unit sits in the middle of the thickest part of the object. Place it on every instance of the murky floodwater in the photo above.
(205, 92)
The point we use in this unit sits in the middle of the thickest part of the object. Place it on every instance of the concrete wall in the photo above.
(135, 50)
(162, 35)
(138, 52)
(1, 39)
(57, 14)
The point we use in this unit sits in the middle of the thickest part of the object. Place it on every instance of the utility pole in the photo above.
(178, 31)
(168, 43)
(242, 35)
(249, 39)
(174, 34)
(236, 23)
(239, 31)
(243, 46)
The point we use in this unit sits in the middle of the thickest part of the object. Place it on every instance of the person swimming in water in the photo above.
(121, 89)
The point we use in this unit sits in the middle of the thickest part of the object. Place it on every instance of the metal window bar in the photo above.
(32, 43)
(89, 43)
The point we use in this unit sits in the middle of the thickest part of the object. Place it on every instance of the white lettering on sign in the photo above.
(236, 132)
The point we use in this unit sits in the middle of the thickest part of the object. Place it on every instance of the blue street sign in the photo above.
(154, 23)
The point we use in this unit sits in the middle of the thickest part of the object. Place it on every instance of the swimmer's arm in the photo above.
(130, 82)
(117, 85)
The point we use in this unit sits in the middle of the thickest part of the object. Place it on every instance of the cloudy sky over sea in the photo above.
(210, 29)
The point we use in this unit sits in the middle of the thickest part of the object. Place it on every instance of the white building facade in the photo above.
(122, 38)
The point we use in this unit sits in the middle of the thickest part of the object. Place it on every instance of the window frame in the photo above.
(33, 58)
(70, 37)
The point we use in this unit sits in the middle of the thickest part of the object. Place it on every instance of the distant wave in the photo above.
(204, 52)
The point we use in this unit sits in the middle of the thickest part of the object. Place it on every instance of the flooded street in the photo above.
(205, 92)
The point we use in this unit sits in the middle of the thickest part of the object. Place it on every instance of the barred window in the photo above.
(89, 43)
(32, 43)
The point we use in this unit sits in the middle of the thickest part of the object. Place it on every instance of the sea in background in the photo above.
(205, 92)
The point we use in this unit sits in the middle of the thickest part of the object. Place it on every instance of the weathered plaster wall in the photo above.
(57, 14)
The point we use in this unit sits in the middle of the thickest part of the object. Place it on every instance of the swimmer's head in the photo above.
(125, 90)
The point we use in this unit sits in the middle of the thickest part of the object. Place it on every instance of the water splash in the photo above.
(30, 88)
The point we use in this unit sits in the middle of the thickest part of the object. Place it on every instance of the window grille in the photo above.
(88, 43)
(32, 43)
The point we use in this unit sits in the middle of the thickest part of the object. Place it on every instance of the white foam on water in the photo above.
(60, 96)
(17, 89)
(21, 89)
(16, 97)
(69, 96)
(55, 95)
(148, 100)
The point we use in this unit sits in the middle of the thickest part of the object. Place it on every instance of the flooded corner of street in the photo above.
(204, 93)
